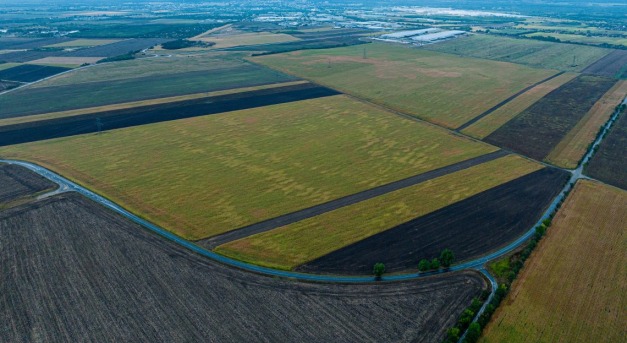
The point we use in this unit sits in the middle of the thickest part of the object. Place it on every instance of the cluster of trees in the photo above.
(465, 323)
(446, 259)
(127, 56)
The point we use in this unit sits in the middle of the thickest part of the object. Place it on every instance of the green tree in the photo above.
(435, 264)
(466, 317)
(473, 333)
(378, 269)
(453, 334)
(446, 258)
(424, 265)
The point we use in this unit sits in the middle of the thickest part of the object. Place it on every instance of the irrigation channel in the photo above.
(66, 185)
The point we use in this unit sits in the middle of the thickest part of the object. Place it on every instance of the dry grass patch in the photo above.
(507, 112)
(66, 61)
(573, 287)
(207, 175)
(295, 244)
(239, 39)
(574, 145)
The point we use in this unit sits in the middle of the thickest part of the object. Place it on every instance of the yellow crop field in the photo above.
(444, 89)
(507, 112)
(207, 175)
(292, 245)
(572, 289)
(574, 145)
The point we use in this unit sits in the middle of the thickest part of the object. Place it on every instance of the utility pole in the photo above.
(365, 57)
(574, 59)
(99, 124)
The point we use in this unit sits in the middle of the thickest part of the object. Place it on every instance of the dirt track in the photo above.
(72, 270)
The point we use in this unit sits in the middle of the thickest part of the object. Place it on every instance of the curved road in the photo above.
(66, 185)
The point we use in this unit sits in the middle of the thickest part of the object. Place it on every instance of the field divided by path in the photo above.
(117, 119)
(530, 52)
(471, 227)
(574, 145)
(247, 166)
(539, 129)
(609, 163)
(76, 271)
(295, 244)
(444, 89)
(573, 287)
(490, 123)
(133, 81)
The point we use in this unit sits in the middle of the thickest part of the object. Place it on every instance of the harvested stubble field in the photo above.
(444, 89)
(117, 119)
(530, 52)
(255, 38)
(507, 112)
(17, 182)
(609, 163)
(135, 80)
(572, 289)
(574, 145)
(76, 271)
(540, 128)
(246, 166)
(612, 65)
(471, 228)
(29, 72)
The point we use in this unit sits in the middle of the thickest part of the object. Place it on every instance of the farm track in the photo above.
(502, 103)
(75, 271)
(293, 217)
(116, 119)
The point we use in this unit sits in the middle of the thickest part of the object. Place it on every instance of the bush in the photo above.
(446, 258)
(378, 269)
(435, 264)
(473, 333)
(424, 265)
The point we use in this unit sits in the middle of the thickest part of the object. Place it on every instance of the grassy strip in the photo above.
(298, 243)
(89, 110)
(203, 176)
(507, 112)
(444, 89)
(576, 276)
(574, 145)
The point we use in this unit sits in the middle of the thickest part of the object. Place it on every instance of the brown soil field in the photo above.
(612, 65)
(17, 182)
(609, 163)
(572, 289)
(74, 271)
(574, 145)
(537, 130)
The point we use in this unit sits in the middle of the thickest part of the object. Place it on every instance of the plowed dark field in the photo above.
(609, 163)
(74, 271)
(30, 72)
(7, 43)
(538, 129)
(116, 49)
(70, 126)
(471, 228)
(613, 64)
(17, 182)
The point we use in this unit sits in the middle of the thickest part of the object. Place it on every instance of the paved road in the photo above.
(297, 216)
(500, 104)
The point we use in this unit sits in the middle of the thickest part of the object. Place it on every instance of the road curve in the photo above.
(477, 264)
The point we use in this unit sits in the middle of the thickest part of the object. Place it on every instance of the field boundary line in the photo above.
(502, 103)
(286, 219)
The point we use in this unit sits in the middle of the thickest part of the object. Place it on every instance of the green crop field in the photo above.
(135, 80)
(575, 38)
(207, 175)
(524, 51)
(295, 244)
(444, 89)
